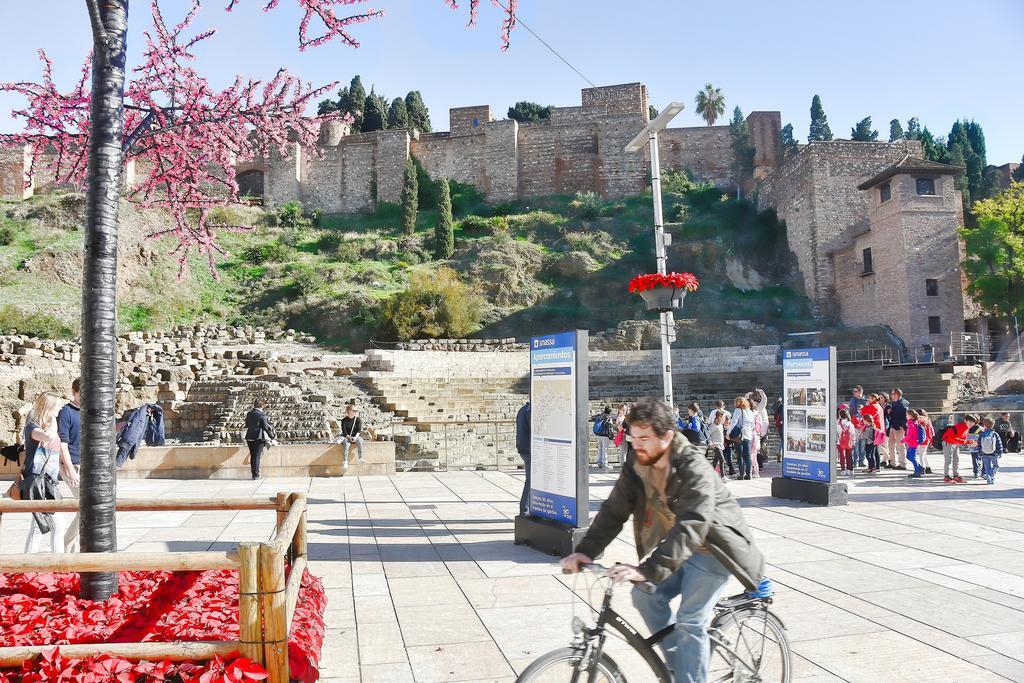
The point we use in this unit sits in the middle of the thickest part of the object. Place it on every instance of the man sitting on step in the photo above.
(351, 426)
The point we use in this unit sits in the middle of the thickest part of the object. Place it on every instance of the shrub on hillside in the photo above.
(536, 222)
(227, 215)
(37, 324)
(676, 182)
(586, 205)
(503, 209)
(291, 217)
(479, 225)
(475, 224)
(271, 252)
(435, 304)
(330, 241)
(7, 235)
(598, 244)
(465, 197)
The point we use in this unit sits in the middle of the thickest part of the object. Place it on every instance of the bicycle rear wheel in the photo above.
(750, 644)
(558, 666)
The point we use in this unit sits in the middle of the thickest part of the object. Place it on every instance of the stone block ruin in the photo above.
(447, 403)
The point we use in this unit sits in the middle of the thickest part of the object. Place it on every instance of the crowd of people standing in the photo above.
(876, 432)
(735, 439)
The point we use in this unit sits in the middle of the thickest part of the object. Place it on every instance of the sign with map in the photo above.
(809, 390)
(555, 427)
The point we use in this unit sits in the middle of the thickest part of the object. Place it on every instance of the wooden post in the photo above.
(282, 508)
(249, 603)
(298, 543)
(275, 617)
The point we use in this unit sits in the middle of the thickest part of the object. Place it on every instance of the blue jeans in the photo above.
(990, 463)
(858, 453)
(524, 499)
(743, 457)
(912, 457)
(700, 582)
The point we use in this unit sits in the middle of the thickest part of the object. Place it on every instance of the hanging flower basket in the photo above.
(663, 292)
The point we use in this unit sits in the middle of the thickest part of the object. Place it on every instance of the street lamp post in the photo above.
(661, 239)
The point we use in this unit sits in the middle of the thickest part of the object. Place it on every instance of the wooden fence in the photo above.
(266, 596)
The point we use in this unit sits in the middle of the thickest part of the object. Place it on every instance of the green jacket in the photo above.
(708, 516)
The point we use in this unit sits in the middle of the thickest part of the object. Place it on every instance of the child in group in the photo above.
(872, 415)
(847, 437)
(866, 435)
(728, 450)
(972, 437)
(953, 437)
(928, 429)
(991, 446)
(912, 440)
(716, 442)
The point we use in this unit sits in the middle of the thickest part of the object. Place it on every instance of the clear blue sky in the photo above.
(938, 60)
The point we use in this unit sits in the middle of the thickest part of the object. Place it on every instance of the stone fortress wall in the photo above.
(579, 149)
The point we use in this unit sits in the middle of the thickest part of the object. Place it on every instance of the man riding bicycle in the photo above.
(689, 531)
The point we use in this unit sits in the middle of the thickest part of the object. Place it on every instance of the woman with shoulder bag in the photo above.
(742, 434)
(42, 467)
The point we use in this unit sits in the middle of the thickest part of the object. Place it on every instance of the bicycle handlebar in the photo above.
(602, 572)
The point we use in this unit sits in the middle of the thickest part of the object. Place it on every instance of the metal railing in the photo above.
(491, 437)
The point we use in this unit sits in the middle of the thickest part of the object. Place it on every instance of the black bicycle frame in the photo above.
(647, 647)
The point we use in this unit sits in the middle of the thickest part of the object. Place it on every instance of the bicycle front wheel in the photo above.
(749, 645)
(560, 665)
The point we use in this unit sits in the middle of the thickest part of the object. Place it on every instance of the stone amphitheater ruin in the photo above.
(444, 403)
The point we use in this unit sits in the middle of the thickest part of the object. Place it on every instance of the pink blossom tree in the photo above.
(186, 136)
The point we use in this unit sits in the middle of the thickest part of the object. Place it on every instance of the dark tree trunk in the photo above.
(99, 289)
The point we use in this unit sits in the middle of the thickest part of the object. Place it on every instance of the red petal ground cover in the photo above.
(43, 609)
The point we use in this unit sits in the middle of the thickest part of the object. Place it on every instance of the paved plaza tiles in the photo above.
(912, 581)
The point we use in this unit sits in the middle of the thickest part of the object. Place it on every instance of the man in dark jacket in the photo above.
(258, 432)
(897, 414)
(689, 531)
(1010, 436)
(523, 446)
(351, 433)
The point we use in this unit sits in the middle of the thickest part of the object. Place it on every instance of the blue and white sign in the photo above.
(808, 451)
(553, 428)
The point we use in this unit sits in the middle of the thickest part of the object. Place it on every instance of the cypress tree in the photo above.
(742, 147)
(913, 129)
(419, 116)
(410, 198)
(862, 132)
(789, 143)
(966, 135)
(355, 104)
(444, 233)
(895, 130)
(374, 113)
(398, 115)
(819, 122)
(1018, 175)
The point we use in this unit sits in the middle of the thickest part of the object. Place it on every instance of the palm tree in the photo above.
(710, 103)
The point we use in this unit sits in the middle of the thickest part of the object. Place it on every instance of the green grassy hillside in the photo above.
(552, 263)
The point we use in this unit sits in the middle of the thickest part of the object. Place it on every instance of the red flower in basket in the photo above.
(642, 283)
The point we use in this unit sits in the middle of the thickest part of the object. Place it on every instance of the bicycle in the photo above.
(741, 622)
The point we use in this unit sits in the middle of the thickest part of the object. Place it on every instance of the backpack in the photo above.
(599, 426)
(988, 442)
(939, 436)
(847, 437)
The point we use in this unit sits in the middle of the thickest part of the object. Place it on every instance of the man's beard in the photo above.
(647, 460)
